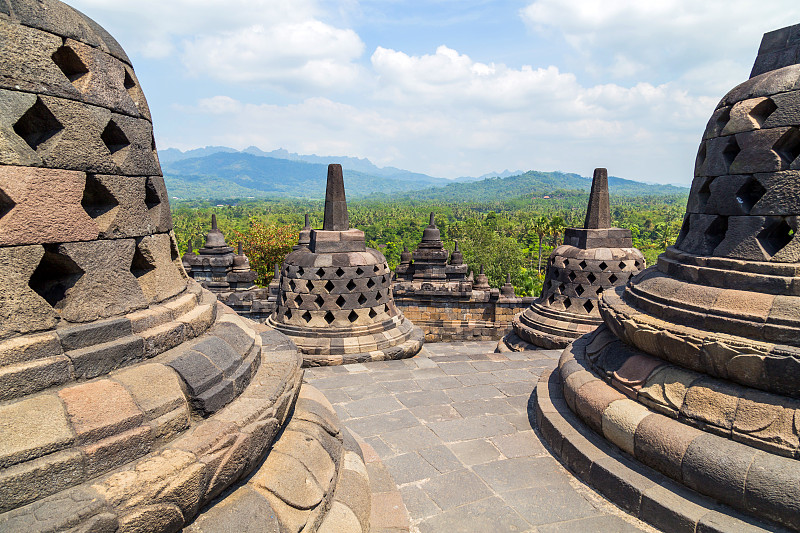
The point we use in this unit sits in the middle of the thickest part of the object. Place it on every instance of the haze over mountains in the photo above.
(218, 172)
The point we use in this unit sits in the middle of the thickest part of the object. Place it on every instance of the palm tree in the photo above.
(556, 227)
(541, 227)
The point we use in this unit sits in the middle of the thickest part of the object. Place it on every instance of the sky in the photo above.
(446, 87)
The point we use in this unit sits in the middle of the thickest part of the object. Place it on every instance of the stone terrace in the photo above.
(454, 430)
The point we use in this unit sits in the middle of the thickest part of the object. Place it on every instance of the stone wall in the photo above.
(449, 314)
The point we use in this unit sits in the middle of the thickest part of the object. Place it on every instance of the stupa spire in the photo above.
(336, 218)
(598, 213)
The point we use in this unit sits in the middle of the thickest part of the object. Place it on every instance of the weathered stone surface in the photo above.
(21, 309)
(157, 267)
(287, 478)
(661, 443)
(243, 510)
(31, 428)
(99, 409)
(155, 388)
(46, 206)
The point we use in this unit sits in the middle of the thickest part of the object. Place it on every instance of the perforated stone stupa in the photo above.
(696, 371)
(592, 260)
(335, 300)
(130, 399)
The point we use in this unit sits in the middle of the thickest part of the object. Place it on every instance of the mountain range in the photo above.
(220, 172)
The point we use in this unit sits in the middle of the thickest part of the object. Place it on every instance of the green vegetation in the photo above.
(513, 235)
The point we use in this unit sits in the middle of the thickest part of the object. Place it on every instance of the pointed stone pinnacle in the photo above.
(308, 221)
(241, 250)
(598, 213)
(433, 221)
(508, 277)
(481, 272)
(456, 249)
(336, 218)
(189, 247)
(213, 221)
(277, 270)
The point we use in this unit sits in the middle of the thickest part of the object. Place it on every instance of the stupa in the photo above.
(335, 300)
(592, 260)
(696, 370)
(131, 400)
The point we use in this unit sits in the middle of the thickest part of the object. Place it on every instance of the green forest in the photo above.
(513, 236)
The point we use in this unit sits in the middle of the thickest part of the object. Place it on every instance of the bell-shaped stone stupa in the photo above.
(592, 260)
(696, 370)
(335, 299)
(130, 399)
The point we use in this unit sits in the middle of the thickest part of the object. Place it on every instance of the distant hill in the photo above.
(221, 172)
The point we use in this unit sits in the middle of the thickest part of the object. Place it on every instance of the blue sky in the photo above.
(445, 87)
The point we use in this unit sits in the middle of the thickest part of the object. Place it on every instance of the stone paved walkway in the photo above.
(453, 428)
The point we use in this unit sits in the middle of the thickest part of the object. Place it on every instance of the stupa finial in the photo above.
(336, 218)
(598, 213)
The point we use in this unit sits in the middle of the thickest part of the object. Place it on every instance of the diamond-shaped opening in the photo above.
(340, 301)
(591, 277)
(329, 285)
(306, 316)
(362, 299)
(291, 285)
(704, 193)
(174, 254)
(352, 317)
(571, 276)
(320, 272)
(73, 68)
(681, 235)
(375, 269)
(567, 303)
(319, 300)
(612, 279)
(622, 265)
(579, 290)
(588, 305)
(6, 204)
(288, 314)
(151, 197)
(329, 318)
(370, 283)
(731, 150)
(776, 236)
(554, 273)
(128, 83)
(298, 300)
(788, 146)
(701, 158)
(750, 193)
(310, 285)
(582, 265)
(551, 299)
(283, 298)
(97, 199)
(54, 276)
(561, 288)
(351, 285)
(599, 291)
(385, 308)
(141, 265)
(716, 231)
(603, 265)
(553, 260)
(359, 271)
(636, 264)
(38, 125)
(339, 272)
(300, 271)
(372, 313)
(566, 262)
(762, 111)
(115, 139)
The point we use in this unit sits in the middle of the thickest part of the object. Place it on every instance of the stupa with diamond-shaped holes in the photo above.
(593, 259)
(335, 300)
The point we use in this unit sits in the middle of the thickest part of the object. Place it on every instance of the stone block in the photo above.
(127, 216)
(287, 477)
(592, 400)
(311, 453)
(103, 358)
(31, 428)
(98, 409)
(137, 158)
(196, 370)
(661, 443)
(757, 154)
(29, 348)
(98, 332)
(243, 510)
(13, 148)
(149, 318)
(106, 286)
(157, 268)
(717, 467)
(711, 402)
(27, 64)
(767, 419)
(46, 206)
(772, 489)
(162, 338)
(620, 420)
(181, 305)
(116, 450)
(22, 310)
(24, 483)
(198, 320)
(158, 517)
(158, 204)
(155, 388)
(782, 193)
(26, 378)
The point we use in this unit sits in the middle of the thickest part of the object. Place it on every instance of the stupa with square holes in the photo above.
(130, 399)
(335, 300)
(592, 260)
(696, 370)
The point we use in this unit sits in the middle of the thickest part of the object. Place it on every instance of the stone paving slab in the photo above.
(452, 429)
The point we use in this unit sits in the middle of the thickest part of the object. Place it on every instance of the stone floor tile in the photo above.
(490, 406)
(518, 388)
(545, 504)
(443, 383)
(383, 423)
(451, 358)
(379, 478)
(418, 503)
(428, 397)
(454, 369)
(392, 375)
(480, 378)
(359, 392)
(511, 375)
(521, 421)
(479, 427)
(487, 366)
(412, 438)
(401, 386)
(340, 381)
(337, 396)
(520, 444)
(475, 452)
(594, 524)
(477, 392)
(373, 406)
(435, 413)
(409, 467)
(456, 488)
(388, 511)
(488, 515)
(341, 412)
(356, 367)
(424, 362)
(441, 458)
(425, 373)
(521, 472)
(381, 448)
